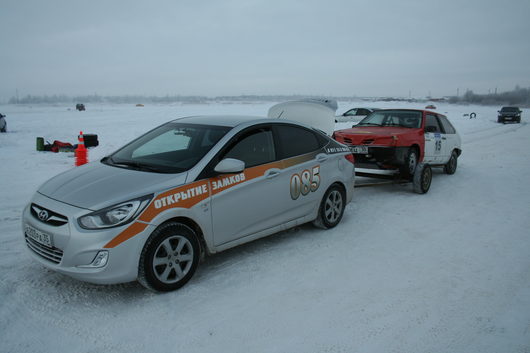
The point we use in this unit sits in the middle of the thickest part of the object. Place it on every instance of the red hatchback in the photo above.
(397, 140)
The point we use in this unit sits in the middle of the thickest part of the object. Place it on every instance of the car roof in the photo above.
(235, 120)
(412, 110)
(219, 120)
(365, 108)
(405, 109)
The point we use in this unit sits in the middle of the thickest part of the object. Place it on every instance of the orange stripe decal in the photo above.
(184, 196)
(128, 233)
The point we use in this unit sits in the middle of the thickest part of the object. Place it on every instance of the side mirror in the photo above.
(430, 129)
(230, 166)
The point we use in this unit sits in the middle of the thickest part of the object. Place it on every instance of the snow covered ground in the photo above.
(448, 271)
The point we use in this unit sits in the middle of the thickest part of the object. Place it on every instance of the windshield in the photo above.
(510, 109)
(170, 148)
(401, 118)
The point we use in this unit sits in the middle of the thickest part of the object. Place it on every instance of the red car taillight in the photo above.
(350, 158)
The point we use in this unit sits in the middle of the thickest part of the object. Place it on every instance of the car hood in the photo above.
(96, 185)
(357, 135)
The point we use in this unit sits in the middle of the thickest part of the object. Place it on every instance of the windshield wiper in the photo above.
(137, 165)
(107, 160)
(370, 124)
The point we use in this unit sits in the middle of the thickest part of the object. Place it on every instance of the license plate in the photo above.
(359, 149)
(38, 236)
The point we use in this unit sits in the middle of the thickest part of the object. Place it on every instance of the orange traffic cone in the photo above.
(81, 153)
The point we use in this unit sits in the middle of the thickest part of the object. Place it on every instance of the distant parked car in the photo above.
(430, 106)
(509, 114)
(355, 114)
(80, 107)
(3, 123)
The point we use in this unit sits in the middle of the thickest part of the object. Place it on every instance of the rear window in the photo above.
(448, 128)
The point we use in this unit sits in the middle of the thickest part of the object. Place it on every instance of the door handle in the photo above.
(272, 173)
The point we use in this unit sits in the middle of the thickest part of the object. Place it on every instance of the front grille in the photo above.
(49, 217)
(347, 140)
(52, 254)
(368, 141)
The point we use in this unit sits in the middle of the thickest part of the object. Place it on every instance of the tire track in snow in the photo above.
(479, 135)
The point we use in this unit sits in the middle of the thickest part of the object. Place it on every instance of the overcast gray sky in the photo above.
(232, 47)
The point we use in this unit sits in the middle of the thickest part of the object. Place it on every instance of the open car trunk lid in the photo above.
(317, 113)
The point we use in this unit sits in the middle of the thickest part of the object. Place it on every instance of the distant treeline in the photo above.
(135, 99)
(519, 96)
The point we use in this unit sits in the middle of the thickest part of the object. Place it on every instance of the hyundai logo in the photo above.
(43, 215)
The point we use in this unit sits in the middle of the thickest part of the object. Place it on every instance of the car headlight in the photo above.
(116, 215)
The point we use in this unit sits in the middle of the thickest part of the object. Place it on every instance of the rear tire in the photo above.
(169, 258)
(331, 208)
(450, 167)
(422, 178)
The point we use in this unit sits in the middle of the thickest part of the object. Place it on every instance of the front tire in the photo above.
(422, 179)
(169, 257)
(331, 208)
(450, 167)
(411, 162)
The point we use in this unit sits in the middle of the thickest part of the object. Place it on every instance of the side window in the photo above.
(254, 148)
(448, 128)
(431, 124)
(362, 111)
(350, 112)
(295, 141)
(211, 137)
